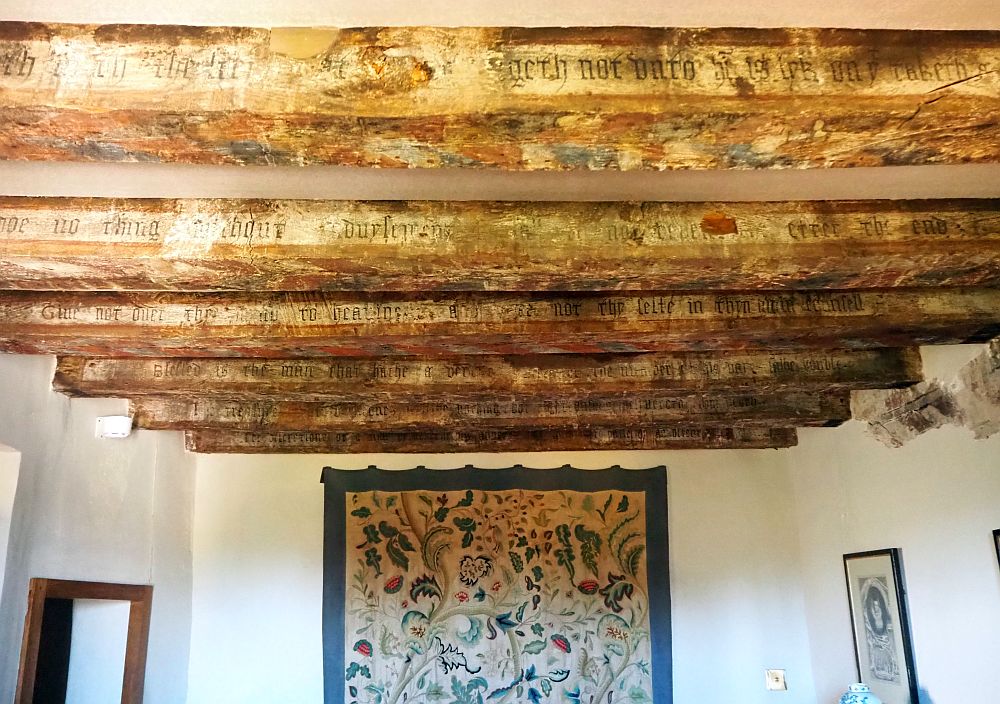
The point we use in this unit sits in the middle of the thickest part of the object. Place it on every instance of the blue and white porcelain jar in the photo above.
(859, 694)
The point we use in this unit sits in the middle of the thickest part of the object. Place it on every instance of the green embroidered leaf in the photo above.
(536, 572)
(371, 535)
(390, 502)
(432, 547)
(354, 669)
(565, 555)
(633, 560)
(473, 635)
(441, 514)
(467, 501)
(621, 524)
(387, 530)
(515, 562)
(535, 646)
(435, 691)
(637, 695)
(426, 499)
(404, 542)
(397, 556)
(467, 526)
(520, 612)
(588, 503)
(615, 590)
(363, 512)
(546, 685)
(623, 504)
(373, 559)
(590, 547)
(352, 690)
(425, 585)
(538, 629)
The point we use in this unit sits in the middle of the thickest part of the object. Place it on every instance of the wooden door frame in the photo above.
(140, 597)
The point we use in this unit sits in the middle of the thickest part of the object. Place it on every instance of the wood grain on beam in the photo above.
(218, 325)
(659, 437)
(260, 245)
(270, 414)
(469, 378)
(515, 98)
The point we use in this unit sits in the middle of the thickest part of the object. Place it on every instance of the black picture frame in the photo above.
(996, 544)
(880, 624)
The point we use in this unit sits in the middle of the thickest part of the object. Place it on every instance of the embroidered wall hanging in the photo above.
(476, 586)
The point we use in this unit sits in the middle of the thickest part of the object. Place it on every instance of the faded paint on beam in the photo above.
(515, 98)
(353, 379)
(663, 437)
(302, 325)
(259, 245)
(270, 414)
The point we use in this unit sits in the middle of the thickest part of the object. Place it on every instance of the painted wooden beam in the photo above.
(261, 245)
(509, 411)
(659, 437)
(514, 98)
(471, 378)
(302, 325)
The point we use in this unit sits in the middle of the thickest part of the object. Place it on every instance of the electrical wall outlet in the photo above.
(774, 680)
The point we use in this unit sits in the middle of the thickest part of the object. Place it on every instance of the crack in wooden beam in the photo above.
(514, 98)
(659, 437)
(316, 324)
(294, 245)
(511, 411)
(469, 378)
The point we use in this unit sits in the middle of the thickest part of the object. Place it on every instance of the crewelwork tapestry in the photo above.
(479, 586)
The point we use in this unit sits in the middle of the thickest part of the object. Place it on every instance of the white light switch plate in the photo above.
(775, 680)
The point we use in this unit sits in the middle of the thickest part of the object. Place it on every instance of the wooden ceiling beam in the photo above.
(302, 325)
(659, 437)
(513, 98)
(289, 245)
(509, 411)
(468, 378)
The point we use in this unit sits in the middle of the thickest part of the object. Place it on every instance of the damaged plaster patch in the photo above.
(971, 398)
(897, 416)
(979, 392)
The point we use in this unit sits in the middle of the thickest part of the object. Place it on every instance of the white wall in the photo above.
(737, 597)
(103, 510)
(10, 464)
(938, 499)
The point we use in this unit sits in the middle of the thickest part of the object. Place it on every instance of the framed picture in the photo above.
(996, 543)
(882, 648)
(515, 585)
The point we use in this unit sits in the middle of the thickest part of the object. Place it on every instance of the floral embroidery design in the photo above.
(494, 597)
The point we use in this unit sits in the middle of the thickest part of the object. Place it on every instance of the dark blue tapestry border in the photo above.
(337, 483)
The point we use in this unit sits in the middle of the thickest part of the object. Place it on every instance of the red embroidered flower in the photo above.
(561, 642)
(393, 584)
(462, 597)
(496, 586)
(363, 647)
(588, 586)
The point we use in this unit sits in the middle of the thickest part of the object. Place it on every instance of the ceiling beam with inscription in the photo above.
(260, 245)
(317, 324)
(617, 437)
(580, 410)
(512, 98)
(546, 376)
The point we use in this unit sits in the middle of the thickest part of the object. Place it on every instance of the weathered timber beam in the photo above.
(660, 437)
(301, 325)
(515, 98)
(357, 379)
(260, 245)
(272, 414)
